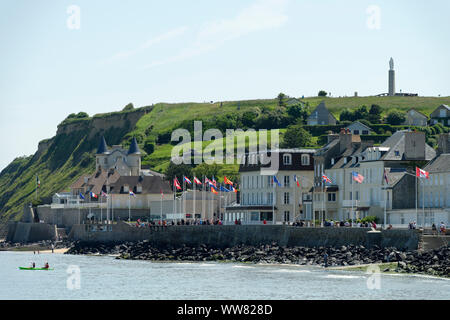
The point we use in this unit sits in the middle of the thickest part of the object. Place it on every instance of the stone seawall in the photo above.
(227, 236)
(30, 232)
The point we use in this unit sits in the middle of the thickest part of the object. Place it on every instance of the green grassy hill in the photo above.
(62, 159)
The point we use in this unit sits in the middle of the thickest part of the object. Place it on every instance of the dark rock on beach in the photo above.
(434, 262)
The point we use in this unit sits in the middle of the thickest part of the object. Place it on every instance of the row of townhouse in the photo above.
(389, 190)
(262, 200)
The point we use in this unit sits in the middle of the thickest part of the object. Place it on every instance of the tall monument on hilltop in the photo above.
(391, 91)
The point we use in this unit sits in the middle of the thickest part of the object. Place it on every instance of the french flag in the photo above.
(93, 195)
(132, 194)
(187, 180)
(422, 173)
(296, 180)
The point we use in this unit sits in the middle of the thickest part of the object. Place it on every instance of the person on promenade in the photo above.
(325, 260)
(442, 228)
(390, 227)
(434, 229)
(264, 222)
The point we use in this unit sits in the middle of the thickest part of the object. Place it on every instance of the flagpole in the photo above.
(203, 197)
(273, 201)
(353, 196)
(417, 220)
(160, 215)
(195, 196)
(423, 204)
(129, 207)
(183, 198)
(101, 208)
(385, 205)
(295, 195)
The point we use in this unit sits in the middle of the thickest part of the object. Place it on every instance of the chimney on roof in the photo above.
(346, 139)
(414, 145)
(443, 143)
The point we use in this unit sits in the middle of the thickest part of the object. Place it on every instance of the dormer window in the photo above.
(139, 189)
(287, 159)
(345, 160)
(397, 153)
(332, 161)
(305, 159)
(126, 188)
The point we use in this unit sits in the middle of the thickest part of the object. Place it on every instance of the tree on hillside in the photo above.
(395, 117)
(375, 114)
(82, 115)
(322, 93)
(207, 170)
(346, 115)
(128, 107)
(281, 99)
(296, 137)
(297, 113)
(360, 113)
(177, 170)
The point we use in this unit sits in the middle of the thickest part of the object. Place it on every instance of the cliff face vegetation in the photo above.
(61, 160)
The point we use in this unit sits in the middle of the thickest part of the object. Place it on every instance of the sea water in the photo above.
(103, 277)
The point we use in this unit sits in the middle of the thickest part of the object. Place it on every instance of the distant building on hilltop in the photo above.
(441, 115)
(359, 128)
(415, 118)
(321, 116)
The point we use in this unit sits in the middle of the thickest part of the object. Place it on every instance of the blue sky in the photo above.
(146, 52)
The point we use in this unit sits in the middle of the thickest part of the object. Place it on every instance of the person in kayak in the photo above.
(46, 266)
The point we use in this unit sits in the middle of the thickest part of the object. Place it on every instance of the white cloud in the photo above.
(160, 38)
(262, 15)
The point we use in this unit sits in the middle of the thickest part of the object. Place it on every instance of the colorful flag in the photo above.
(132, 194)
(385, 176)
(326, 179)
(187, 180)
(81, 196)
(233, 189)
(222, 188)
(104, 194)
(162, 194)
(214, 182)
(38, 182)
(176, 183)
(227, 181)
(93, 195)
(197, 181)
(422, 173)
(276, 181)
(213, 189)
(357, 177)
(296, 180)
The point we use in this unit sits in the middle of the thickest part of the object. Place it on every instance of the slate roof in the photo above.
(134, 148)
(394, 175)
(321, 110)
(396, 142)
(348, 153)
(359, 123)
(418, 112)
(150, 185)
(102, 148)
(96, 181)
(439, 164)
